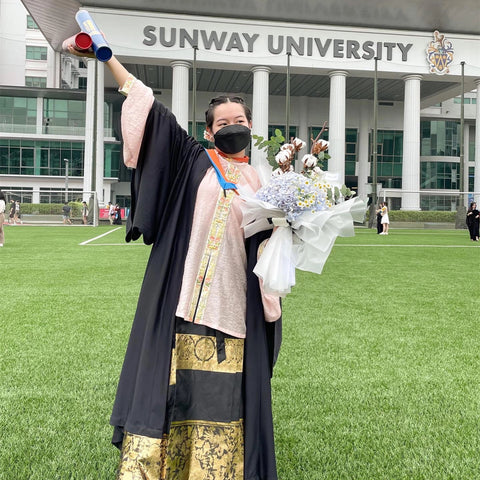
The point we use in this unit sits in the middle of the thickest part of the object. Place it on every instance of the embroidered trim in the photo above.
(126, 87)
(208, 263)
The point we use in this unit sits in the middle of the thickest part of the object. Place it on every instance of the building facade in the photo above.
(329, 71)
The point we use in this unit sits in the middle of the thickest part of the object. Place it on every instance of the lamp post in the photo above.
(66, 179)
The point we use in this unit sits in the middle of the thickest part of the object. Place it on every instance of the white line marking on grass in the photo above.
(100, 236)
(402, 246)
(118, 244)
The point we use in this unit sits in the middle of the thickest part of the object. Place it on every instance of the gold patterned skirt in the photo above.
(205, 439)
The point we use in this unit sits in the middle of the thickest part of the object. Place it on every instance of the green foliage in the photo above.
(271, 147)
(411, 216)
(50, 208)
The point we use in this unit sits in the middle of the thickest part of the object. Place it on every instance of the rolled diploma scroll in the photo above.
(100, 46)
(81, 41)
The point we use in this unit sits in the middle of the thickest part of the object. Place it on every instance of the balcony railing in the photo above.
(49, 130)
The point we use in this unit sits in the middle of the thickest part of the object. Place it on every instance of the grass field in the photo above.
(378, 377)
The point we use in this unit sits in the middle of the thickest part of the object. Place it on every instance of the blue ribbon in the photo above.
(221, 179)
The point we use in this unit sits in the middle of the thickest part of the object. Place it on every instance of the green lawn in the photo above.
(378, 377)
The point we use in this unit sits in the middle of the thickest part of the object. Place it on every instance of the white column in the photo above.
(39, 124)
(99, 154)
(363, 150)
(89, 126)
(180, 92)
(336, 123)
(411, 143)
(303, 116)
(36, 194)
(260, 114)
(477, 145)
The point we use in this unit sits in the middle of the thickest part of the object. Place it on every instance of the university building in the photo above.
(299, 65)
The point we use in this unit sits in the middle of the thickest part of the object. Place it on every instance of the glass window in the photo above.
(466, 100)
(293, 131)
(439, 175)
(442, 203)
(389, 157)
(112, 160)
(36, 53)
(40, 82)
(17, 112)
(63, 116)
(351, 135)
(82, 83)
(440, 138)
(31, 25)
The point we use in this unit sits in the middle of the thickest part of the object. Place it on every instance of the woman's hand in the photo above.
(78, 53)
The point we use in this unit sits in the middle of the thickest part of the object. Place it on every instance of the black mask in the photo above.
(232, 138)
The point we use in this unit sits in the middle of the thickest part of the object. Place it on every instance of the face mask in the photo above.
(232, 138)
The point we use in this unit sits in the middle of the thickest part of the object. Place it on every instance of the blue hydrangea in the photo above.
(294, 194)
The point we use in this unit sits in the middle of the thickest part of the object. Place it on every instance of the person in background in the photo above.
(473, 222)
(2, 217)
(379, 219)
(11, 213)
(111, 213)
(117, 215)
(66, 213)
(17, 218)
(84, 212)
(385, 220)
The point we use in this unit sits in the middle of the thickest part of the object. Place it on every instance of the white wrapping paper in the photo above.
(306, 244)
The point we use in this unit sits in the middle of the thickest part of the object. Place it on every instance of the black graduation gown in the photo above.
(473, 224)
(164, 186)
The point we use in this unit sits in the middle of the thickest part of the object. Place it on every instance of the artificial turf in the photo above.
(378, 377)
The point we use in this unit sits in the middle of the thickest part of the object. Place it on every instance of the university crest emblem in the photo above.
(439, 54)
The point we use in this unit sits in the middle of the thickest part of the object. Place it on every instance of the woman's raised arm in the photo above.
(119, 72)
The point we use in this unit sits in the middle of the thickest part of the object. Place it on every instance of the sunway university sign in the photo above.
(276, 44)
(170, 37)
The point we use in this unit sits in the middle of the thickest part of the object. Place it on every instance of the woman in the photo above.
(473, 222)
(2, 217)
(84, 212)
(193, 400)
(385, 220)
(378, 213)
(117, 217)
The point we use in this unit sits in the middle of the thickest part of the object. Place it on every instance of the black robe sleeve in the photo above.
(170, 168)
(163, 160)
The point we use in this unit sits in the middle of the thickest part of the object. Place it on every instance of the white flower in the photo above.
(277, 172)
(309, 160)
(282, 156)
(207, 136)
(298, 144)
(318, 171)
(287, 146)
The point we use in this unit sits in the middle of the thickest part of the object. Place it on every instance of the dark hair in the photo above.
(471, 205)
(214, 102)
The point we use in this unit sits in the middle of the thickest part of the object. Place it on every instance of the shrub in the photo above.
(49, 208)
(430, 216)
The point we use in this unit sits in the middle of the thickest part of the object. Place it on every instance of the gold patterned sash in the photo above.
(216, 233)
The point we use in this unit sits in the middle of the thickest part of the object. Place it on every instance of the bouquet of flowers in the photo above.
(308, 210)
